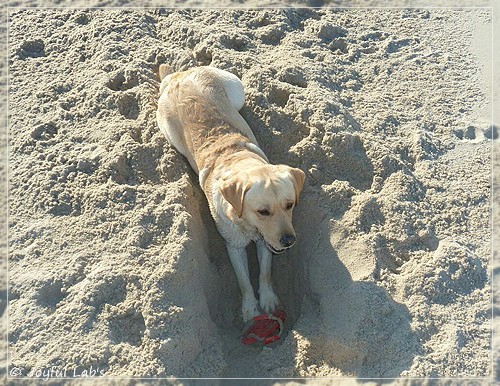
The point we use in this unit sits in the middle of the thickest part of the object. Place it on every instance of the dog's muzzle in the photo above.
(287, 241)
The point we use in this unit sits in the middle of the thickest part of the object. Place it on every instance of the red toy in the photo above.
(267, 328)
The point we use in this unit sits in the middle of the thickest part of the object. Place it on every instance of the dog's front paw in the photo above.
(249, 309)
(268, 299)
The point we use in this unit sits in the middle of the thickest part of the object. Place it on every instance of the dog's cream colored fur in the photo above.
(250, 199)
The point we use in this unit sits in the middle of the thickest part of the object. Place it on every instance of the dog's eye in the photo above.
(264, 212)
(289, 206)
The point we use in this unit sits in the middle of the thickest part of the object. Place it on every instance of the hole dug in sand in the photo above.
(339, 320)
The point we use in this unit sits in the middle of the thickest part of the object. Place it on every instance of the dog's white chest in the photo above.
(237, 233)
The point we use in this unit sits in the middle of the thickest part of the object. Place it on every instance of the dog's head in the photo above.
(264, 196)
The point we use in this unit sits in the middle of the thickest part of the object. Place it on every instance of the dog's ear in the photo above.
(164, 70)
(298, 178)
(234, 190)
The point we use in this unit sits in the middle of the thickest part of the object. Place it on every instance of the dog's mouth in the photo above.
(274, 250)
(269, 246)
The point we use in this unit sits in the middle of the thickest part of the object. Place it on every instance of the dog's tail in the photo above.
(164, 70)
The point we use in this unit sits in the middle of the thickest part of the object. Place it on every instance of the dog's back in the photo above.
(200, 104)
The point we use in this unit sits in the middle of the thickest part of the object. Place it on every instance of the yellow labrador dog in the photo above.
(250, 199)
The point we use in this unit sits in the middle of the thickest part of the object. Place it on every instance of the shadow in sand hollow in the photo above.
(351, 325)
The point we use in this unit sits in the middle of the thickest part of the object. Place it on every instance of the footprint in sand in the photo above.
(476, 134)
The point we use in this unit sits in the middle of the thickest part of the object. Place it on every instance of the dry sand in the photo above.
(115, 265)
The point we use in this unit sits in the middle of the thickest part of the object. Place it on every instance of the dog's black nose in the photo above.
(287, 240)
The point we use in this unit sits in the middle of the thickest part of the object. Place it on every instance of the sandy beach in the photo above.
(115, 266)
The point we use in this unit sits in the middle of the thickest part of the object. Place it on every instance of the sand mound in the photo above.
(115, 264)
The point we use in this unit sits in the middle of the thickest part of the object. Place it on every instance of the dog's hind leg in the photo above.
(232, 85)
(232, 101)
